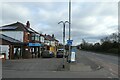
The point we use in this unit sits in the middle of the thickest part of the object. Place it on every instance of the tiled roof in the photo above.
(48, 37)
(17, 27)
(7, 38)
(21, 27)
(14, 27)
(8, 28)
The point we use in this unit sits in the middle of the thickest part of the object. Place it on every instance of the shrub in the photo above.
(113, 50)
(27, 54)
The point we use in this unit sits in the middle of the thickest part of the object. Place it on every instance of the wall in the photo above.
(52, 43)
(47, 42)
(26, 37)
(18, 35)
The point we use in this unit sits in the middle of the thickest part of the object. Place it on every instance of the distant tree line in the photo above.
(109, 44)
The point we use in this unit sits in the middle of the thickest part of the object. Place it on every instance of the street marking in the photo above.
(112, 70)
(99, 67)
(112, 74)
(110, 77)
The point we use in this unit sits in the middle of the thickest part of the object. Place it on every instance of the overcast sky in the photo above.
(90, 20)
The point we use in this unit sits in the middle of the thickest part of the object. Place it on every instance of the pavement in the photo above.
(36, 64)
(84, 67)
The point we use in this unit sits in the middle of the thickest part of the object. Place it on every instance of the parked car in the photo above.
(60, 53)
(47, 54)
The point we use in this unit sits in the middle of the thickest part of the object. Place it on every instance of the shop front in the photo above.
(35, 49)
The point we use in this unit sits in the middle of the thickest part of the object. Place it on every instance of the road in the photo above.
(87, 65)
(107, 61)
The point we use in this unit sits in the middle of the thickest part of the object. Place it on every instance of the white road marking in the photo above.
(98, 67)
(110, 77)
(112, 74)
(112, 70)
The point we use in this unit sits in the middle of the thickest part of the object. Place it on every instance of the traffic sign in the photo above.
(69, 42)
(73, 56)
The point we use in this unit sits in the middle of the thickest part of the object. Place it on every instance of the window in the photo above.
(36, 37)
(33, 37)
(39, 38)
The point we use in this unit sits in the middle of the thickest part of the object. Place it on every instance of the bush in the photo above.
(27, 54)
(113, 50)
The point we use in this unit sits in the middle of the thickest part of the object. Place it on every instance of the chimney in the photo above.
(28, 24)
(52, 35)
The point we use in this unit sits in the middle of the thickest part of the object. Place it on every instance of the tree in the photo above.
(97, 47)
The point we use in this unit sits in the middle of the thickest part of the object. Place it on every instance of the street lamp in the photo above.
(69, 26)
(63, 40)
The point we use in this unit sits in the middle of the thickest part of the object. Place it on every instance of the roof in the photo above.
(17, 27)
(14, 27)
(48, 37)
(56, 40)
(21, 27)
(31, 30)
(8, 27)
(2, 36)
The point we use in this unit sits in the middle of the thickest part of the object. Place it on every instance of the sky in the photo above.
(89, 20)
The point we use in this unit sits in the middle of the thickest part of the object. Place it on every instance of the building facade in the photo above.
(23, 33)
(33, 43)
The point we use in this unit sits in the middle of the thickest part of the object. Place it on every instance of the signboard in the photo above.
(69, 42)
(73, 55)
(34, 44)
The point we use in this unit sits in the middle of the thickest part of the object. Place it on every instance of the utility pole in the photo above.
(63, 41)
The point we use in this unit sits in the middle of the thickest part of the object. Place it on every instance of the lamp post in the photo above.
(69, 26)
(63, 40)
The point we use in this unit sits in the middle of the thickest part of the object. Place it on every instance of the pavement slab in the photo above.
(80, 67)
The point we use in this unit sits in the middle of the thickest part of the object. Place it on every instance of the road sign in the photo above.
(69, 42)
(73, 56)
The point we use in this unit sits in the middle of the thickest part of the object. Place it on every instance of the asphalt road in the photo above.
(87, 65)
(107, 61)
